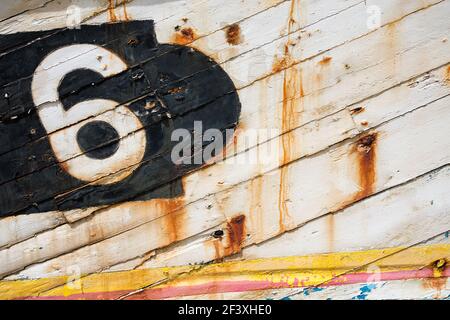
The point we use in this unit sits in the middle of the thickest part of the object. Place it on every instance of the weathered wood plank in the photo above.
(404, 91)
(18, 228)
(358, 117)
(398, 100)
(313, 178)
(373, 268)
(417, 205)
(411, 289)
(66, 143)
(318, 136)
(407, 90)
(265, 16)
(286, 272)
(12, 9)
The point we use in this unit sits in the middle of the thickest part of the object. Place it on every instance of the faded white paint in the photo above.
(393, 80)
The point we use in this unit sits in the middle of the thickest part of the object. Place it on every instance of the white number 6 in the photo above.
(62, 125)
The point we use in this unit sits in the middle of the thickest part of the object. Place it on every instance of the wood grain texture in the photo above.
(355, 144)
(311, 100)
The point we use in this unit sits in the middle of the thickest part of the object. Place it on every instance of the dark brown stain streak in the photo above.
(236, 234)
(357, 110)
(233, 34)
(366, 153)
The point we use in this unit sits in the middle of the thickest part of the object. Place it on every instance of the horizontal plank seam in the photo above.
(231, 187)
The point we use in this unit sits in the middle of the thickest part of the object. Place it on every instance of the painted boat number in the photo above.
(53, 116)
(87, 115)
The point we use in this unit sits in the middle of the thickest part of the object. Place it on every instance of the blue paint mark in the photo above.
(286, 298)
(308, 291)
(447, 234)
(364, 291)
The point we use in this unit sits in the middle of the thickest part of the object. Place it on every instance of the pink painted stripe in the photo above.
(246, 285)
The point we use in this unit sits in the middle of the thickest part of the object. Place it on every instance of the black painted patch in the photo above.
(181, 84)
(98, 139)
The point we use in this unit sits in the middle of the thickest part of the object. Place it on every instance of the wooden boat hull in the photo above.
(330, 180)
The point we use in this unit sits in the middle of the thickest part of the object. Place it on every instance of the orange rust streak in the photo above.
(366, 151)
(236, 234)
(447, 76)
(112, 13)
(439, 282)
(292, 85)
(172, 221)
(325, 61)
(184, 36)
(291, 21)
(125, 12)
(217, 249)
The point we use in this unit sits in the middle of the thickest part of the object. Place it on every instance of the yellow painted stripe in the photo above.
(309, 270)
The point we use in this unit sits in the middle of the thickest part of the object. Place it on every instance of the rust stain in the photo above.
(111, 11)
(291, 109)
(173, 219)
(113, 16)
(391, 45)
(64, 165)
(184, 36)
(366, 152)
(437, 284)
(215, 244)
(233, 34)
(176, 90)
(284, 62)
(357, 110)
(291, 20)
(282, 200)
(439, 281)
(218, 250)
(292, 88)
(236, 234)
(231, 146)
(447, 75)
(289, 119)
(125, 12)
(364, 123)
(325, 61)
(322, 71)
